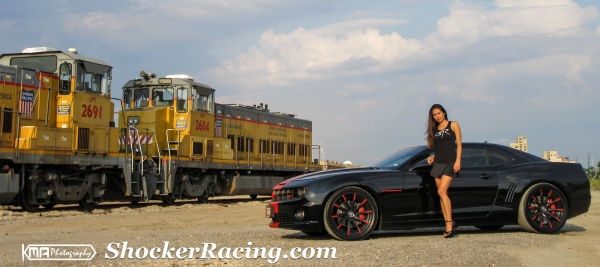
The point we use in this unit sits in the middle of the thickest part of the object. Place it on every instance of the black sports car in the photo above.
(496, 186)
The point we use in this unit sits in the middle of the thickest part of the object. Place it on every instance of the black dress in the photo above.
(444, 147)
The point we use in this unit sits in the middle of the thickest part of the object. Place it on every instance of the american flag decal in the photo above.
(27, 102)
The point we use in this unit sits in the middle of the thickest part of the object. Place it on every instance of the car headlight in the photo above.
(134, 120)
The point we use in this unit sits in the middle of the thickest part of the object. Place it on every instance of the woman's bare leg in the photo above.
(437, 183)
(444, 183)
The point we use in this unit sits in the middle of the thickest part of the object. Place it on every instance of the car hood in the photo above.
(317, 176)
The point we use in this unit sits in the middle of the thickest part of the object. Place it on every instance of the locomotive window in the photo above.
(66, 71)
(43, 63)
(140, 95)
(182, 97)
(162, 97)
(127, 98)
(106, 78)
(202, 102)
(93, 78)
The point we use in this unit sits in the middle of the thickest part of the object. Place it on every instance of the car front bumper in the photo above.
(286, 214)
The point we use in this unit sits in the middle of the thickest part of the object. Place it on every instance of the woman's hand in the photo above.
(457, 166)
(430, 160)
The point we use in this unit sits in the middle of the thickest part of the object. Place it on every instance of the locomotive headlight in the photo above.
(134, 120)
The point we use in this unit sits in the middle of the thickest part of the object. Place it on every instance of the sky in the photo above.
(364, 72)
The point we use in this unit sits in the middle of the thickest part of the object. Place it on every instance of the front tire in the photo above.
(350, 214)
(543, 209)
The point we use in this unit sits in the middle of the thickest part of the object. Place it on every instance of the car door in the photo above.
(473, 190)
(421, 200)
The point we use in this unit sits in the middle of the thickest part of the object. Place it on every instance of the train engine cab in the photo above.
(154, 121)
(56, 114)
(180, 144)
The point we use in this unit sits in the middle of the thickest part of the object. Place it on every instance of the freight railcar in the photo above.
(59, 143)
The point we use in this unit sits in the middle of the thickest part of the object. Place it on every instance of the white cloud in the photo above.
(468, 23)
(356, 47)
(312, 54)
(177, 20)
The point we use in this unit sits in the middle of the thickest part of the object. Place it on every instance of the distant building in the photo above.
(552, 155)
(337, 164)
(521, 144)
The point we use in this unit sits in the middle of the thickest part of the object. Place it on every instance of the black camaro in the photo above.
(496, 186)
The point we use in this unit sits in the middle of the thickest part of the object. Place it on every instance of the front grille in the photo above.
(209, 148)
(284, 194)
(282, 218)
(197, 148)
(7, 121)
(83, 139)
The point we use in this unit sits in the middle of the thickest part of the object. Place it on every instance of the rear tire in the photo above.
(350, 214)
(543, 209)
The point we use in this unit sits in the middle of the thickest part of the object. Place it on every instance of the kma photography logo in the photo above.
(58, 252)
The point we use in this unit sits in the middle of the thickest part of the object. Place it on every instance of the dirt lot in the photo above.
(235, 222)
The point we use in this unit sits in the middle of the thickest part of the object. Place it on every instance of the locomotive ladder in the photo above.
(134, 145)
(321, 156)
(171, 166)
(149, 159)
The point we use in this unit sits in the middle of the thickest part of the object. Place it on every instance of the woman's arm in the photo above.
(456, 128)
(430, 159)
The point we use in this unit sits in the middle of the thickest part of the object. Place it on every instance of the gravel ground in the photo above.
(234, 222)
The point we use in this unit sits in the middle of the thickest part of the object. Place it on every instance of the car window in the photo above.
(396, 159)
(497, 158)
(473, 157)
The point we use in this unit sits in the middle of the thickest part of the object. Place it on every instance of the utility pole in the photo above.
(588, 160)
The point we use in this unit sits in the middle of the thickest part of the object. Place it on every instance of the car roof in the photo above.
(502, 148)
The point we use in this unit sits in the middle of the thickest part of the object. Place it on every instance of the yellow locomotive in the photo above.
(60, 145)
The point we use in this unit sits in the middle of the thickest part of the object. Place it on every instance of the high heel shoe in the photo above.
(452, 232)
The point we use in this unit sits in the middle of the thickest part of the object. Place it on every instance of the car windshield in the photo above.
(396, 159)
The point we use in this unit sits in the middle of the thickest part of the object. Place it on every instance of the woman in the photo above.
(445, 138)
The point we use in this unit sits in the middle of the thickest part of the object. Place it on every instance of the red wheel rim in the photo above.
(351, 213)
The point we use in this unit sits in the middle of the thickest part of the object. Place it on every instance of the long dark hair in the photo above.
(432, 124)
